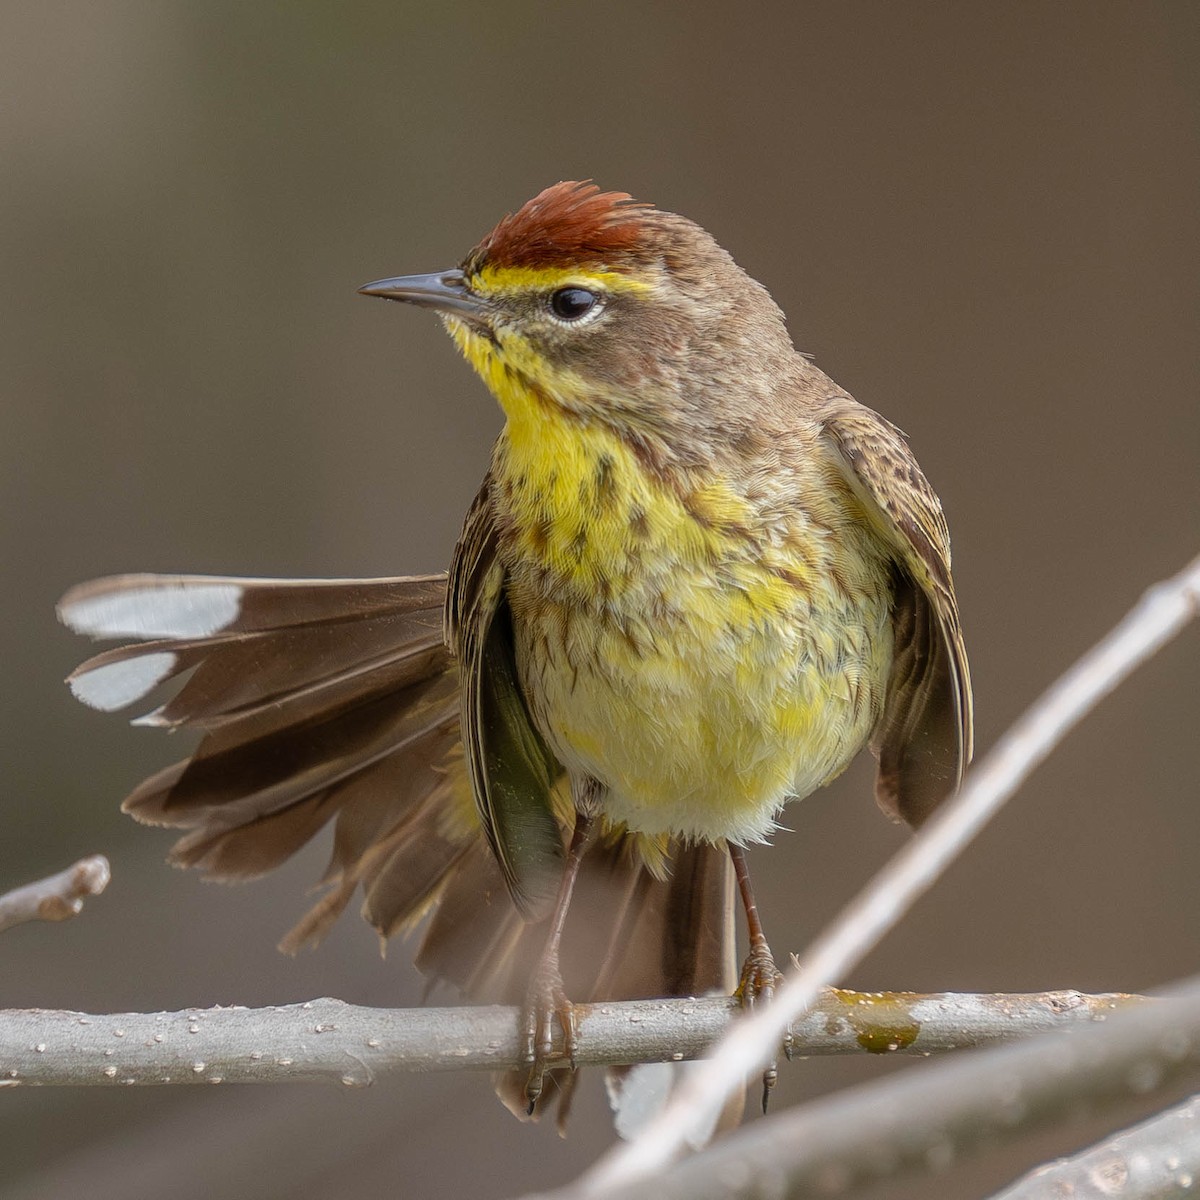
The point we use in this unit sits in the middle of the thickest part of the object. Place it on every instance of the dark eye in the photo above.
(571, 303)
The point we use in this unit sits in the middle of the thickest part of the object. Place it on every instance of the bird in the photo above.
(698, 579)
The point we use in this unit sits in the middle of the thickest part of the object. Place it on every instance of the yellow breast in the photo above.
(703, 664)
(703, 656)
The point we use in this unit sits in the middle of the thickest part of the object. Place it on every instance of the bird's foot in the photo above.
(545, 1003)
(760, 978)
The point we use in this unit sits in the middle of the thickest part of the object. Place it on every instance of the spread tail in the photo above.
(321, 701)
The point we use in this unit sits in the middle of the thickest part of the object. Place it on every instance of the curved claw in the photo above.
(760, 977)
(545, 1004)
(546, 1000)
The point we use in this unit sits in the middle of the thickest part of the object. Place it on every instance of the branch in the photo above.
(345, 1043)
(1158, 1158)
(57, 897)
(922, 1121)
(1159, 616)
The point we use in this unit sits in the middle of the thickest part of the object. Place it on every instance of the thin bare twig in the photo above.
(344, 1043)
(56, 897)
(923, 1120)
(1159, 616)
(1158, 1158)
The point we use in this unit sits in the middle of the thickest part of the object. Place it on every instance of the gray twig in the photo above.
(56, 897)
(1153, 1160)
(1159, 616)
(345, 1043)
(920, 1122)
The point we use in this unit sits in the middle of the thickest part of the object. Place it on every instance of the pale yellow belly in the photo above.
(703, 713)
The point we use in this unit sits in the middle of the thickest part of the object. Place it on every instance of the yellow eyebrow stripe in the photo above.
(496, 280)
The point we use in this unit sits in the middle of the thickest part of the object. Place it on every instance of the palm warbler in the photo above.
(697, 580)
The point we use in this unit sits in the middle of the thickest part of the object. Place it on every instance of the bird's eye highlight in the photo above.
(571, 303)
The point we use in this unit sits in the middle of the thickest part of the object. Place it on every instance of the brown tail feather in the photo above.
(142, 607)
(230, 779)
(316, 699)
(683, 929)
(249, 850)
(628, 935)
(217, 694)
(393, 838)
(470, 937)
(322, 702)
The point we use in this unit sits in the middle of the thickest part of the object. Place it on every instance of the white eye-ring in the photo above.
(572, 304)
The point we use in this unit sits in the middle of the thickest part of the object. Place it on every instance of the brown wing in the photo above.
(512, 771)
(924, 738)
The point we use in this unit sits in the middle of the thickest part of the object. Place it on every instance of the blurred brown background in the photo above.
(982, 219)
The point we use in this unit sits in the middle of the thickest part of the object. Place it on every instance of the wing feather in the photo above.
(924, 738)
(512, 771)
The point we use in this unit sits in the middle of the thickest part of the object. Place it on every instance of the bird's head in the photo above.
(609, 309)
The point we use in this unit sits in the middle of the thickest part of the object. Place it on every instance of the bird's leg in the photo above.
(546, 1002)
(760, 976)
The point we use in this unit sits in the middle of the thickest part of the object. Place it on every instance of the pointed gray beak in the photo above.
(445, 291)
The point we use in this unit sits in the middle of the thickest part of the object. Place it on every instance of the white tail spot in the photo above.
(118, 684)
(166, 611)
